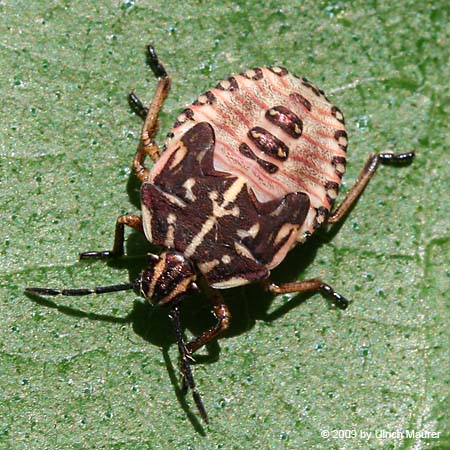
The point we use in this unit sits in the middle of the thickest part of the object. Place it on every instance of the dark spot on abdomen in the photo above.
(268, 143)
(286, 120)
(302, 100)
(266, 165)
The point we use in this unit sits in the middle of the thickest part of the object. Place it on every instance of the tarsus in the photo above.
(185, 358)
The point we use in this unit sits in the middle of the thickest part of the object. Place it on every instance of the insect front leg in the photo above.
(366, 174)
(147, 145)
(312, 285)
(130, 220)
(223, 316)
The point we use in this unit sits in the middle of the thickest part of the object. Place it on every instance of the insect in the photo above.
(251, 169)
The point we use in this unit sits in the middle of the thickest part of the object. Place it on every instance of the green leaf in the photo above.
(101, 372)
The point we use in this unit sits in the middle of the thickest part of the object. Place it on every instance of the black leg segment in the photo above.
(185, 363)
(137, 106)
(366, 174)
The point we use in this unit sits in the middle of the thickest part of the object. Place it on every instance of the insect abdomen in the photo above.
(289, 131)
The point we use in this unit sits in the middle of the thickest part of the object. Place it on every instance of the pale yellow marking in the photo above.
(256, 135)
(241, 250)
(252, 231)
(178, 155)
(225, 84)
(232, 192)
(197, 240)
(307, 226)
(158, 270)
(208, 266)
(297, 129)
(340, 168)
(332, 194)
(342, 140)
(232, 282)
(188, 185)
(276, 69)
(202, 99)
(229, 196)
(320, 218)
(250, 73)
(242, 233)
(181, 118)
(285, 230)
(170, 237)
(226, 259)
(273, 112)
(180, 288)
(147, 222)
(301, 239)
(281, 153)
(174, 199)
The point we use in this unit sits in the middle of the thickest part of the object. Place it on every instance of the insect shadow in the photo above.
(247, 304)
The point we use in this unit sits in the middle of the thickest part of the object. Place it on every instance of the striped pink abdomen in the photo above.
(276, 131)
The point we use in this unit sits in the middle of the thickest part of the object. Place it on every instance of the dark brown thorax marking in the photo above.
(224, 230)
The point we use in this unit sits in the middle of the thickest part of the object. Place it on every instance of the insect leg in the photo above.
(82, 291)
(223, 316)
(128, 219)
(185, 363)
(147, 146)
(366, 174)
(137, 106)
(312, 285)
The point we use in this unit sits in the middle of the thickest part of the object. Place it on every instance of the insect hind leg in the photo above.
(312, 285)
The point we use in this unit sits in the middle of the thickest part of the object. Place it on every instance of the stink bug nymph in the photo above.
(251, 169)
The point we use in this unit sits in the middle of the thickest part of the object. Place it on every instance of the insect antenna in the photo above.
(78, 292)
(185, 357)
